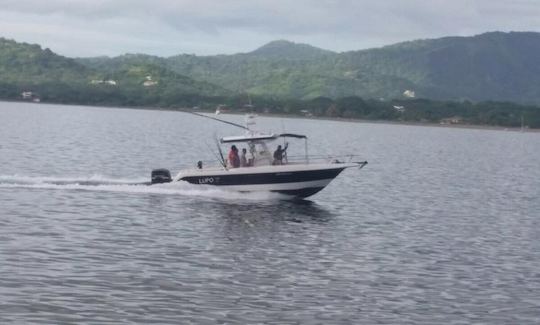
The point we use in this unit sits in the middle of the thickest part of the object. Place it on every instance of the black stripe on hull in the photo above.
(301, 193)
(264, 178)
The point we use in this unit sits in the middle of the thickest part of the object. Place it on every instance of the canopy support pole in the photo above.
(306, 150)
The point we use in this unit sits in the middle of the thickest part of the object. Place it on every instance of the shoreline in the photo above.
(404, 123)
(291, 116)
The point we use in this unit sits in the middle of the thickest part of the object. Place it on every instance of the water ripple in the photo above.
(440, 228)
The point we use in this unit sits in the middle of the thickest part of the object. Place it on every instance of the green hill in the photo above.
(22, 63)
(491, 66)
(285, 50)
(51, 77)
(28, 67)
(289, 78)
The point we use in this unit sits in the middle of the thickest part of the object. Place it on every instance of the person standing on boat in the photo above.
(278, 154)
(234, 160)
(243, 159)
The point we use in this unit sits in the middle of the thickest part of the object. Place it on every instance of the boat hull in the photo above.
(289, 181)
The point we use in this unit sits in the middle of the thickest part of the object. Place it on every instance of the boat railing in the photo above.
(296, 159)
(321, 159)
(205, 164)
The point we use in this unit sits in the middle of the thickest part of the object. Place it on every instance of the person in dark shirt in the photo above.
(278, 154)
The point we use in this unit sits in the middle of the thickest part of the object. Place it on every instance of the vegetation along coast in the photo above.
(285, 78)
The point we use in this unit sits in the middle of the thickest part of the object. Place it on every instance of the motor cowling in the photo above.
(160, 176)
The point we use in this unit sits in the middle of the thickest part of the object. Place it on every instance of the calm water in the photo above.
(441, 227)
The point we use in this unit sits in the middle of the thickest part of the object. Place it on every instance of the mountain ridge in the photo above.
(367, 84)
(289, 50)
(503, 66)
(41, 73)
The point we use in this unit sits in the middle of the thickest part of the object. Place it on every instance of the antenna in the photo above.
(250, 122)
(219, 158)
(217, 119)
(282, 129)
(222, 159)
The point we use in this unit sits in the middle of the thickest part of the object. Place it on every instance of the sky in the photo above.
(85, 28)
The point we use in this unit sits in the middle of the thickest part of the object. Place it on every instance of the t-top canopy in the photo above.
(249, 137)
(260, 137)
(292, 135)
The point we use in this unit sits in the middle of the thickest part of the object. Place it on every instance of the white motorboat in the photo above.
(298, 176)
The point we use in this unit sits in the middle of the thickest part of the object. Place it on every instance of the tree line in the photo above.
(492, 113)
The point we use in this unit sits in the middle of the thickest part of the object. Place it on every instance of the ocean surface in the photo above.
(441, 227)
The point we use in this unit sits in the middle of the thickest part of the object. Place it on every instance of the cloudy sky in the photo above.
(167, 27)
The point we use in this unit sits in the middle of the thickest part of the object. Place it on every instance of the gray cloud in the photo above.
(167, 27)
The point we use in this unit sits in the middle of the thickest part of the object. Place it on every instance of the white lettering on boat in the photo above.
(206, 180)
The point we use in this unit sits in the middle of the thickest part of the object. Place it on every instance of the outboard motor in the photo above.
(160, 176)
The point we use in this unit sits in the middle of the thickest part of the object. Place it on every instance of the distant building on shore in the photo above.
(101, 82)
(221, 108)
(409, 93)
(452, 120)
(27, 95)
(149, 82)
(306, 113)
(31, 96)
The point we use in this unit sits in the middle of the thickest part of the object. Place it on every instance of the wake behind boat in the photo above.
(262, 170)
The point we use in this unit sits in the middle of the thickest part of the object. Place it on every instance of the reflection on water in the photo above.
(276, 211)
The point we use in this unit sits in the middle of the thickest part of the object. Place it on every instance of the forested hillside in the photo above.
(51, 77)
(491, 66)
(459, 80)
